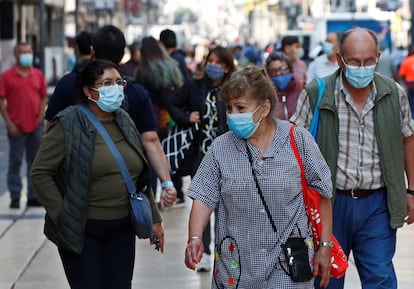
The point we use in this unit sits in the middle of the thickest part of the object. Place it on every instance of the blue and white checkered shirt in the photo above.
(224, 181)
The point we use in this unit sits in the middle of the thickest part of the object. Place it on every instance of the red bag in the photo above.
(312, 199)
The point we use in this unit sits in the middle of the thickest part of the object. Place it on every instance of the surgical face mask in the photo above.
(110, 97)
(242, 124)
(299, 53)
(26, 59)
(214, 72)
(359, 76)
(327, 48)
(282, 81)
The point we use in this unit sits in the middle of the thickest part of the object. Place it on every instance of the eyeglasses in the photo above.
(277, 71)
(358, 63)
(108, 82)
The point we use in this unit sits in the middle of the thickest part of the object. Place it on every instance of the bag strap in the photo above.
(112, 147)
(315, 119)
(298, 158)
(269, 215)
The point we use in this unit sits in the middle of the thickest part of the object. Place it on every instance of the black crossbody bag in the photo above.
(295, 249)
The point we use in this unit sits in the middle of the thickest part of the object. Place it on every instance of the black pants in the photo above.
(107, 258)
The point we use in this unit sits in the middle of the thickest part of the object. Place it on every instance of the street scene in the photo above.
(30, 261)
(278, 97)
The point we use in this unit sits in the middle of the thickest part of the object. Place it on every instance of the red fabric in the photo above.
(312, 199)
(23, 95)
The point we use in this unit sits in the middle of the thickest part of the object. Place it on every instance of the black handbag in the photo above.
(297, 260)
(140, 208)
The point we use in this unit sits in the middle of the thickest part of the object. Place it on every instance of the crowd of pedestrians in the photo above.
(241, 103)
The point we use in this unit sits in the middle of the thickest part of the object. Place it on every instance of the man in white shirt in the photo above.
(326, 63)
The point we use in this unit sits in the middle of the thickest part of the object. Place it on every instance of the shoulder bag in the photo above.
(140, 208)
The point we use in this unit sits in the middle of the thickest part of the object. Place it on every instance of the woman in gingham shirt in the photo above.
(248, 248)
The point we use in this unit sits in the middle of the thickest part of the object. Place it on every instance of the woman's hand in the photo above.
(158, 231)
(193, 252)
(322, 265)
(194, 116)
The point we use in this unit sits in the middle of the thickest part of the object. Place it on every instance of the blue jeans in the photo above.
(26, 143)
(363, 226)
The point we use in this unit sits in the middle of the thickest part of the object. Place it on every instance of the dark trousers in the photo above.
(107, 258)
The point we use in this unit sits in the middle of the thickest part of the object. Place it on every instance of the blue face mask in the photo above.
(110, 97)
(327, 48)
(26, 59)
(282, 81)
(242, 124)
(359, 76)
(214, 72)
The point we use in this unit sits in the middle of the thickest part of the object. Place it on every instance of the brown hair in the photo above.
(252, 81)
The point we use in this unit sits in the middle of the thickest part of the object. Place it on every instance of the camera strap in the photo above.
(259, 190)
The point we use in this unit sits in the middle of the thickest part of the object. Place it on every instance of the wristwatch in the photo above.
(326, 244)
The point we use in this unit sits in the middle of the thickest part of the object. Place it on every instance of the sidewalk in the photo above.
(29, 261)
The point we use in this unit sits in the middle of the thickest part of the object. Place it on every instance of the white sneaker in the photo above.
(204, 265)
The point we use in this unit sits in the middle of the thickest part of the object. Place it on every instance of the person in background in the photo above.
(398, 54)
(82, 188)
(251, 54)
(168, 39)
(131, 65)
(326, 63)
(385, 65)
(366, 135)
(64, 93)
(83, 50)
(239, 58)
(248, 250)
(108, 43)
(159, 74)
(406, 76)
(199, 101)
(292, 48)
(280, 70)
(23, 97)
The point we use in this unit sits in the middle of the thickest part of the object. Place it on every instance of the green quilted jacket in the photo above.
(387, 123)
(74, 175)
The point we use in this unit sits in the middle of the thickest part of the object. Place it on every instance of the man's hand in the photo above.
(410, 209)
(13, 129)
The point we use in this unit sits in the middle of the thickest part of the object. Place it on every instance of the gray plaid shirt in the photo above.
(358, 159)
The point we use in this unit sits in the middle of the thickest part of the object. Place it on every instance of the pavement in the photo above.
(29, 261)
